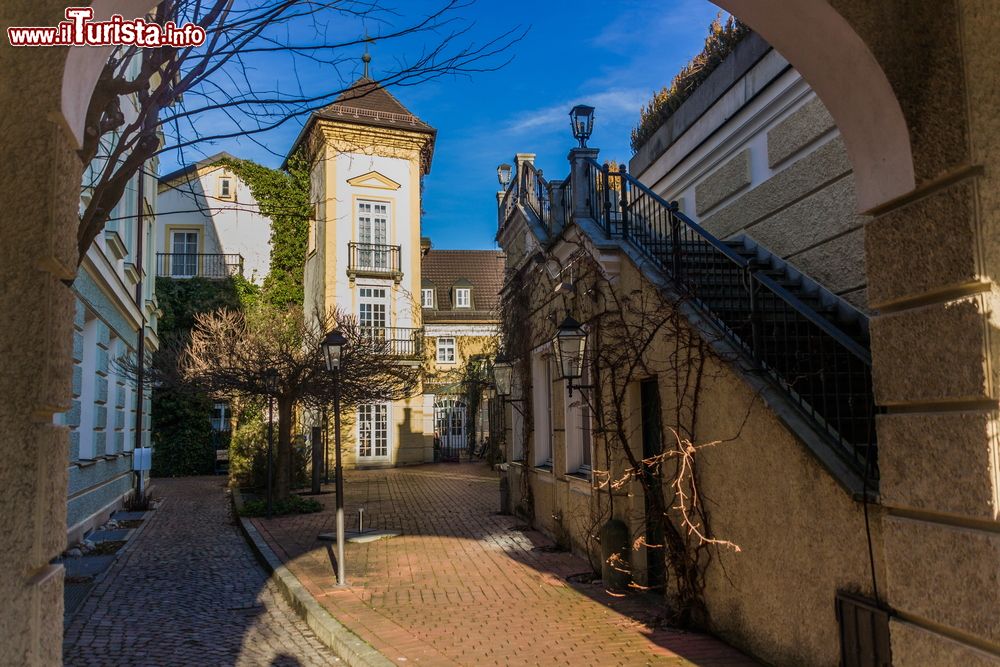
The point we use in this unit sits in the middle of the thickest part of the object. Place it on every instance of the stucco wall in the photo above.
(802, 537)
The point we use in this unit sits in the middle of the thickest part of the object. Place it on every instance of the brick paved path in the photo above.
(463, 585)
(189, 592)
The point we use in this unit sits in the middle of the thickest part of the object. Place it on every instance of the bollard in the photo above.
(504, 494)
(361, 519)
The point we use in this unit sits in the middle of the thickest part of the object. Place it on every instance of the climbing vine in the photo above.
(635, 333)
(282, 196)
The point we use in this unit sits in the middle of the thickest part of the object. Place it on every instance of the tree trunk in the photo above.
(283, 457)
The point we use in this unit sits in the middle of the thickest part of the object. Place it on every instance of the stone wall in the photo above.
(765, 159)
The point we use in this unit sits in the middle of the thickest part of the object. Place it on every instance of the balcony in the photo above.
(400, 342)
(200, 265)
(373, 260)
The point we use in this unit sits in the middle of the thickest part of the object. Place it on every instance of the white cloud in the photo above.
(609, 104)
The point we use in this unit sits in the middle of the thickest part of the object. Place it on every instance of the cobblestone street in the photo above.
(188, 591)
(463, 585)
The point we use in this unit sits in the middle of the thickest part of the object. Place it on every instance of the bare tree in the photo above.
(229, 354)
(182, 92)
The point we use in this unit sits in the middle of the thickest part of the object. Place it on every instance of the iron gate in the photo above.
(449, 429)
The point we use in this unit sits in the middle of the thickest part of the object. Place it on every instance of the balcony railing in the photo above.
(401, 342)
(198, 265)
(373, 259)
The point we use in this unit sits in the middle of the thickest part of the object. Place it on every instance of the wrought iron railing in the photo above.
(402, 342)
(535, 193)
(509, 202)
(198, 265)
(825, 371)
(373, 259)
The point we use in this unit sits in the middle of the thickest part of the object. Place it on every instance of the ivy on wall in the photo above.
(282, 196)
(182, 432)
(722, 39)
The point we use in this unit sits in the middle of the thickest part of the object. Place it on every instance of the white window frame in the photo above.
(463, 297)
(226, 183)
(427, 297)
(364, 421)
(186, 267)
(224, 423)
(446, 344)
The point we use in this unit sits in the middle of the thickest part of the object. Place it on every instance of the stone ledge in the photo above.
(348, 646)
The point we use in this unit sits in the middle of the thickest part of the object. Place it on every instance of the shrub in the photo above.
(182, 435)
(290, 505)
(722, 39)
(248, 453)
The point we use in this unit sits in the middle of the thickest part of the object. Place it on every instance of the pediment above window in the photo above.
(374, 180)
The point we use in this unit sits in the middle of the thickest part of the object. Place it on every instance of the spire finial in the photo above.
(366, 58)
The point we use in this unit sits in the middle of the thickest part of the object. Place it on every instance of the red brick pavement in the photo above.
(462, 585)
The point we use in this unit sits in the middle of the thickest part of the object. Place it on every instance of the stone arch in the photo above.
(84, 65)
(855, 91)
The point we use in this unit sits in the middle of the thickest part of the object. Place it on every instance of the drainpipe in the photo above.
(141, 343)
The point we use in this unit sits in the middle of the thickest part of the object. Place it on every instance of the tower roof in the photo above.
(366, 102)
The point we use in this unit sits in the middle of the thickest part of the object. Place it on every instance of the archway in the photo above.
(814, 37)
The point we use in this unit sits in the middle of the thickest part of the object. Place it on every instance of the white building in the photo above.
(210, 225)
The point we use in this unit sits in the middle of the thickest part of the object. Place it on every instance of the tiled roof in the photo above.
(484, 269)
(367, 103)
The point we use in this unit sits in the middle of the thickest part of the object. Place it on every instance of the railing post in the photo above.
(623, 184)
(606, 172)
(756, 316)
(675, 240)
(580, 206)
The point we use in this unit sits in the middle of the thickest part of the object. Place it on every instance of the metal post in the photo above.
(270, 447)
(140, 374)
(339, 471)
(326, 447)
(317, 463)
(624, 199)
(606, 173)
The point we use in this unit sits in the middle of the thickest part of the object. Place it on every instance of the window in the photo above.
(184, 257)
(463, 297)
(427, 297)
(220, 417)
(225, 187)
(579, 440)
(373, 226)
(373, 430)
(446, 350)
(373, 309)
(541, 393)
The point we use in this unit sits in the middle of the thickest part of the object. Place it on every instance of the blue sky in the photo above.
(610, 55)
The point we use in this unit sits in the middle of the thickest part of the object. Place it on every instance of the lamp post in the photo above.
(570, 343)
(333, 349)
(581, 119)
(271, 386)
(503, 175)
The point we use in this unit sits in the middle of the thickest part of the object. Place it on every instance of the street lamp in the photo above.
(503, 372)
(333, 350)
(503, 175)
(570, 344)
(581, 119)
(271, 386)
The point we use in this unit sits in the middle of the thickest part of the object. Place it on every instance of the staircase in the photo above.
(806, 341)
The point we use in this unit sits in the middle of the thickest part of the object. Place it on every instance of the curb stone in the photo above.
(348, 646)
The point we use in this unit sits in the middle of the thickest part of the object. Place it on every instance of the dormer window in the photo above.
(225, 187)
(427, 297)
(463, 297)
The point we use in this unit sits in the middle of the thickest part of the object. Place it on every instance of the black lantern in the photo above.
(503, 372)
(570, 343)
(503, 175)
(333, 348)
(581, 119)
(271, 381)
